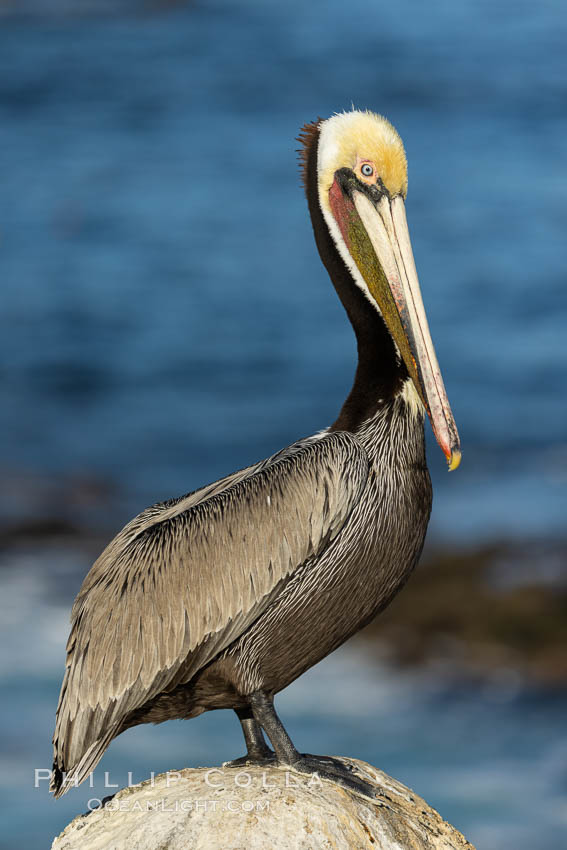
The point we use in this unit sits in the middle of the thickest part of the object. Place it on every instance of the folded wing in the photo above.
(186, 578)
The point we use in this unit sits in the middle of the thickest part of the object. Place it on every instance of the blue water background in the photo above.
(165, 319)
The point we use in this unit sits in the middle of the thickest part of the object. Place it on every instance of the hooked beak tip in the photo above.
(454, 459)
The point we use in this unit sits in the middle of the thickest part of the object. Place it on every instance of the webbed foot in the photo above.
(333, 770)
(259, 757)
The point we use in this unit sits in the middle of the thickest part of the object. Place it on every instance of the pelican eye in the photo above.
(367, 170)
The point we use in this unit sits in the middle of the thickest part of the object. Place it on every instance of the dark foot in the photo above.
(332, 770)
(258, 751)
(318, 767)
(327, 763)
(265, 757)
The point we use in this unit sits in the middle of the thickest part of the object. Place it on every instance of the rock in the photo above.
(257, 808)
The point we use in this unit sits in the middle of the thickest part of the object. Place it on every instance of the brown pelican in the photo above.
(221, 598)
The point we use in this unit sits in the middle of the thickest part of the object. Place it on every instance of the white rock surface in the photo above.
(258, 808)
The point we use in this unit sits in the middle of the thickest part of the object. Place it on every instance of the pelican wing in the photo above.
(186, 578)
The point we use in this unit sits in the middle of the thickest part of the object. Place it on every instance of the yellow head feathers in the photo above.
(350, 138)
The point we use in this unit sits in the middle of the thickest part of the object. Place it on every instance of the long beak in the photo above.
(391, 277)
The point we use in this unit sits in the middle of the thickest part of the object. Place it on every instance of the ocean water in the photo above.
(165, 319)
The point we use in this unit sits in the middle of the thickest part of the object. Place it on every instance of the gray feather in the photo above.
(186, 578)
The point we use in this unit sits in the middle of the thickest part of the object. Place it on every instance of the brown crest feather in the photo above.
(307, 137)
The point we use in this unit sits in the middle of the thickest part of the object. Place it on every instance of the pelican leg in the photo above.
(323, 767)
(265, 714)
(256, 748)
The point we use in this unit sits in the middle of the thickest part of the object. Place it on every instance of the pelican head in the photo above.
(362, 185)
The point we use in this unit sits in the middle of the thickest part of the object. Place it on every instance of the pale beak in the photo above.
(386, 226)
(375, 230)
